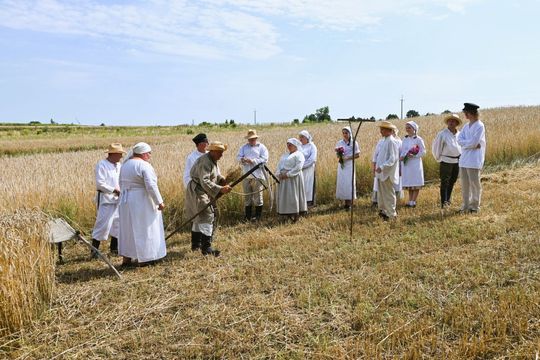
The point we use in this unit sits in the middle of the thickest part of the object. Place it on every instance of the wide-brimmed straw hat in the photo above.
(387, 125)
(217, 146)
(453, 117)
(251, 134)
(115, 148)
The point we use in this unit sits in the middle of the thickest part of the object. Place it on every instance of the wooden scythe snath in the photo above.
(213, 201)
(354, 135)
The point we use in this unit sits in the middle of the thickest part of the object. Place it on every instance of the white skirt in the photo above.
(107, 222)
(343, 186)
(309, 182)
(141, 236)
(291, 198)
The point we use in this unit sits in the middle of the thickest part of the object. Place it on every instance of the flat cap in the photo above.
(200, 138)
(470, 107)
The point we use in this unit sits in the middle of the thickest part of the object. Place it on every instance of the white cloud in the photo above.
(206, 28)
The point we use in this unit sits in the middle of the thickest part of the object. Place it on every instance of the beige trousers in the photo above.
(386, 197)
(471, 189)
(254, 188)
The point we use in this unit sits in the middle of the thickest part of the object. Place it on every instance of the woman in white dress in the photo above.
(141, 236)
(412, 170)
(291, 198)
(346, 185)
(310, 154)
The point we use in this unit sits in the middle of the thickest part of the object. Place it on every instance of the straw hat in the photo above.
(217, 146)
(252, 134)
(115, 148)
(387, 125)
(453, 117)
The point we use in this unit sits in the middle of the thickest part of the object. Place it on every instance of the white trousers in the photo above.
(106, 222)
(471, 189)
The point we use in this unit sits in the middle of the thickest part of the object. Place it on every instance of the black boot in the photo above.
(93, 254)
(248, 213)
(114, 245)
(258, 212)
(206, 246)
(195, 240)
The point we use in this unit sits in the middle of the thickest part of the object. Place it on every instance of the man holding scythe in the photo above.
(205, 185)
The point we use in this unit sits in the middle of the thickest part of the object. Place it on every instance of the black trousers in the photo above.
(449, 174)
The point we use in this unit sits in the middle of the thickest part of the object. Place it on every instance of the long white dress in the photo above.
(412, 172)
(344, 175)
(291, 198)
(310, 154)
(141, 236)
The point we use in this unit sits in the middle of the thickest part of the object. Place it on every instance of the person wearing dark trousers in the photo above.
(447, 151)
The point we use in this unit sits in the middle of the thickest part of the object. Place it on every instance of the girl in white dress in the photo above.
(346, 184)
(310, 154)
(412, 170)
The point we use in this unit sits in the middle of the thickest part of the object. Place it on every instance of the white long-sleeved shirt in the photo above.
(388, 160)
(190, 160)
(107, 175)
(310, 154)
(291, 164)
(445, 147)
(469, 138)
(257, 153)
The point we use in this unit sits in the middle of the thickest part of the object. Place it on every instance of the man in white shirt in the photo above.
(250, 155)
(201, 143)
(108, 190)
(387, 172)
(447, 152)
(472, 140)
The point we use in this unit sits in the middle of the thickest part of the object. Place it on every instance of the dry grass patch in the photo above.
(430, 285)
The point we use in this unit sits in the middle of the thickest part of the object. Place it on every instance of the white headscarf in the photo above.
(305, 134)
(295, 142)
(349, 130)
(414, 126)
(139, 148)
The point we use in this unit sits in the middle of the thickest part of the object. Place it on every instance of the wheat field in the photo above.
(430, 285)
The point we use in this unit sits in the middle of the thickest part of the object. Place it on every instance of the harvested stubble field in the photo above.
(429, 285)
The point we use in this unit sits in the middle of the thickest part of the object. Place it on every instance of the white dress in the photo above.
(291, 198)
(344, 175)
(107, 222)
(310, 154)
(142, 236)
(412, 172)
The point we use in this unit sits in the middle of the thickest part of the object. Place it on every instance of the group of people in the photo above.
(129, 203)
(397, 164)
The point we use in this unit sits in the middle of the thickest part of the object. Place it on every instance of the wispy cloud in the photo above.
(205, 28)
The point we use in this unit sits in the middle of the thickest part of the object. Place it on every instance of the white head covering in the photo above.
(139, 148)
(295, 142)
(413, 125)
(349, 130)
(305, 134)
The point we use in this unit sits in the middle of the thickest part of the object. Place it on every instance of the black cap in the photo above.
(200, 138)
(470, 107)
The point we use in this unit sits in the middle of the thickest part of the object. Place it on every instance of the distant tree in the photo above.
(34, 123)
(296, 121)
(52, 122)
(189, 131)
(205, 123)
(321, 115)
(412, 114)
(429, 114)
(372, 118)
(446, 112)
(392, 116)
(102, 124)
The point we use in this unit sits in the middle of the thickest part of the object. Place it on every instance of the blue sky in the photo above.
(129, 62)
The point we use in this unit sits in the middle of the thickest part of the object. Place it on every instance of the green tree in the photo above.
(392, 116)
(412, 114)
(446, 112)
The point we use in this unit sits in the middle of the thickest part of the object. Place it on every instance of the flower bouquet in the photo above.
(340, 152)
(413, 151)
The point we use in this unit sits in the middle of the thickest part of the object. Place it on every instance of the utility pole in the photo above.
(402, 107)
(255, 116)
